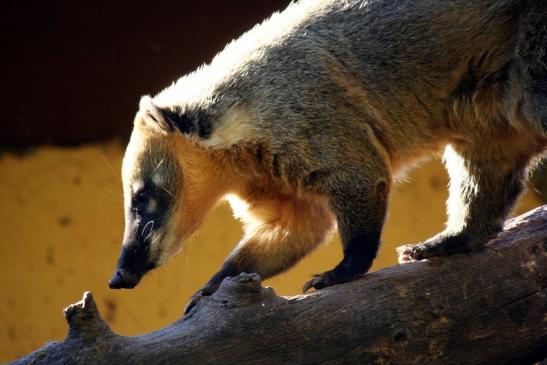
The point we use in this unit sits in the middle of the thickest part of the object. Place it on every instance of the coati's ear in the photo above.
(164, 119)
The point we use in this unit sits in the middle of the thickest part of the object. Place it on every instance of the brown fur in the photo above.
(308, 119)
(281, 224)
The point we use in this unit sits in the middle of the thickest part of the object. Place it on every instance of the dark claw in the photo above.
(190, 305)
(193, 301)
(417, 253)
(205, 292)
(321, 281)
(309, 284)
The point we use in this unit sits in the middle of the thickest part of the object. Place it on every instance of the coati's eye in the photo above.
(140, 198)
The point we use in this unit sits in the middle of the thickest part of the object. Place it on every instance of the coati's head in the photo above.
(165, 194)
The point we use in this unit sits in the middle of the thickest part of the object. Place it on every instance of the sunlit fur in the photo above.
(305, 121)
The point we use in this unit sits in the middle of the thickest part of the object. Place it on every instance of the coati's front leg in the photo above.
(483, 189)
(278, 233)
(360, 206)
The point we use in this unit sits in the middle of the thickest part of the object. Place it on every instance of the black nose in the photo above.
(123, 279)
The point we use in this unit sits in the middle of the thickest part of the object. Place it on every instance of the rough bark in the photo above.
(487, 307)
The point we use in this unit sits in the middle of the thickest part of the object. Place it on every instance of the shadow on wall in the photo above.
(77, 69)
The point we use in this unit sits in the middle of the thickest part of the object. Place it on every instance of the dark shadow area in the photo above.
(74, 71)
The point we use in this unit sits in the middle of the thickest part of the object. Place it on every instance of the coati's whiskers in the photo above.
(109, 187)
(150, 223)
(149, 234)
(167, 191)
(157, 167)
(156, 238)
(117, 175)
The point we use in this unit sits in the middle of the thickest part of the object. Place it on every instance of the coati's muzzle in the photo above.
(133, 263)
(124, 279)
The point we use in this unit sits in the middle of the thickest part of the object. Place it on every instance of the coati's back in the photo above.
(394, 66)
(395, 51)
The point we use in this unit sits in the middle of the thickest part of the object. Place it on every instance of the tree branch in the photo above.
(487, 307)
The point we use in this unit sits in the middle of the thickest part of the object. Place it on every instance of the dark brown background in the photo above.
(74, 71)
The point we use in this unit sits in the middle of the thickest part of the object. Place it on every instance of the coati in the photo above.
(305, 121)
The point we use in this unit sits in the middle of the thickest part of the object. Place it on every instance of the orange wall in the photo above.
(61, 224)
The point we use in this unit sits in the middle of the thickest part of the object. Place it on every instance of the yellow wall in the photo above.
(61, 223)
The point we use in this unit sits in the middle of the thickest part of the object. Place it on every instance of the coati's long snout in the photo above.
(123, 280)
(151, 177)
(133, 263)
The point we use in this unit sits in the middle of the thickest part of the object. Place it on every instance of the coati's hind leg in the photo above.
(278, 233)
(483, 189)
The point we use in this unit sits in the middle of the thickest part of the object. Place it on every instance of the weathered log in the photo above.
(487, 307)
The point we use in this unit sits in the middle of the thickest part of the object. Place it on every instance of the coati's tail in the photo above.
(532, 57)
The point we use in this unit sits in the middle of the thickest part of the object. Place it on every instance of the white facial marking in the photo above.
(157, 179)
(137, 185)
(152, 205)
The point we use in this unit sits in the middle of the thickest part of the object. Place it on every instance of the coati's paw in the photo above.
(319, 281)
(323, 280)
(193, 301)
(206, 291)
(439, 245)
(405, 254)
(412, 253)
